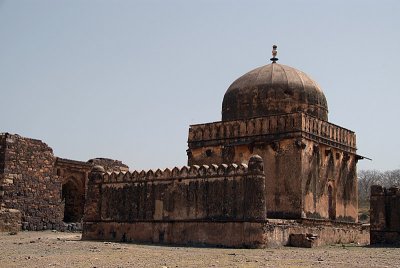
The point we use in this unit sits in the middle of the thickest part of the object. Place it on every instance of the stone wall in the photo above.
(329, 182)
(181, 206)
(28, 182)
(44, 189)
(279, 232)
(10, 220)
(385, 215)
(109, 164)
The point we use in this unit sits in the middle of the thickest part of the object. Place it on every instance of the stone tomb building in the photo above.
(281, 114)
(272, 168)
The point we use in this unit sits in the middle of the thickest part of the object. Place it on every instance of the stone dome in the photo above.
(273, 89)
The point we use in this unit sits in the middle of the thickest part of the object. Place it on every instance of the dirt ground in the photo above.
(57, 249)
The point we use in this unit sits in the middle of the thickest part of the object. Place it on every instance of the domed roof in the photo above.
(273, 89)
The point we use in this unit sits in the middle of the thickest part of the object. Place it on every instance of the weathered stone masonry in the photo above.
(73, 175)
(310, 164)
(385, 215)
(38, 190)
(190, 205)
(222, 205)
(28, 182)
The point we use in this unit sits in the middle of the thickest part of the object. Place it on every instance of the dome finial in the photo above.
(274, 53)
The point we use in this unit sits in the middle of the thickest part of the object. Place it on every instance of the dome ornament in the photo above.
(274, 59)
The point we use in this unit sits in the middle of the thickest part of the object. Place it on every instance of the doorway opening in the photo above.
(73, 201)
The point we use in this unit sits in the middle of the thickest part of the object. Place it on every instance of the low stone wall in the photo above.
(266, 233)
(385, 215)
(214, 205)
(226, 234)
(326, 232)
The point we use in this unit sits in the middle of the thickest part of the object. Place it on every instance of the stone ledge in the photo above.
(226, 234)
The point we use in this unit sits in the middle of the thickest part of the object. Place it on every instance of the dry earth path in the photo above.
(57, 249)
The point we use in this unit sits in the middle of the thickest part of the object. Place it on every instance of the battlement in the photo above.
(243, 128)
(196, 193)
(305, 125)
(185, 172)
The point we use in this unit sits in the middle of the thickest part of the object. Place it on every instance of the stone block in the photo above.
(303, 240)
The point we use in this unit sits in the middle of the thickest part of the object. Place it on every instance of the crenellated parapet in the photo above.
(177, 173)
(270, 126)
(244, 128)
(215, 192)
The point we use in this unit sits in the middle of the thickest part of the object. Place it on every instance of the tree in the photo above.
(391, 178)
(367, 178)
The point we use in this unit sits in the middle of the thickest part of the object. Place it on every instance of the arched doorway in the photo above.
(331, 206)
(73, 201)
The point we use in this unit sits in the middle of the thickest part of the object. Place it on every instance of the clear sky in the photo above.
(125, 79)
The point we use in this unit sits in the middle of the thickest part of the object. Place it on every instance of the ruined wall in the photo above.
(279, 232)
(109, 164)
(178, 201)
(385, 215)
(28, 182)
(73, 175)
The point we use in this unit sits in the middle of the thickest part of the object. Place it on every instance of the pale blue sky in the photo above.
(125, 79)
